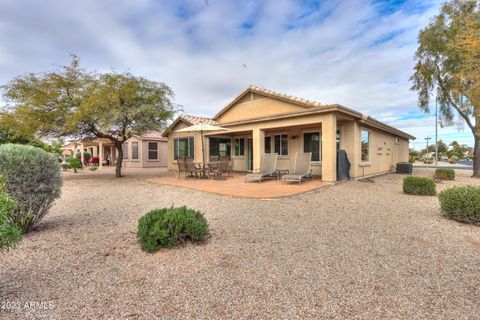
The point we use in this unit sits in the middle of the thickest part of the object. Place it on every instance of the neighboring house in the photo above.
(260, 120)
(149, 150)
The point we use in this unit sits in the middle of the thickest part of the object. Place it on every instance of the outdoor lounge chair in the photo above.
(268, 169)
(301, 168)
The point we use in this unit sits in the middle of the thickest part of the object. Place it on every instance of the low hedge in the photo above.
(419, 186)
(445, 173)
(167, 227)
(461, 203)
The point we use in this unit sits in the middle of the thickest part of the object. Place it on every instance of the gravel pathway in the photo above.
(354, 250)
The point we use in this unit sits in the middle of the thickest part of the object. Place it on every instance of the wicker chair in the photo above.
(181, 165)
(220, 170)
(191, 170)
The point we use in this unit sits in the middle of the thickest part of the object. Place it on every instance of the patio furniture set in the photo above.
(218, 167)
(301, 169)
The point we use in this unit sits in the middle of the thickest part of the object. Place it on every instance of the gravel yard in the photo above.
(351, 250)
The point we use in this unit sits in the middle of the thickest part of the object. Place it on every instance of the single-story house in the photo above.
(262, 121)
(148, 150)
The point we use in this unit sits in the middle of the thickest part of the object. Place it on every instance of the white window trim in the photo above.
(138, 150)
(148, 151)
(319, 131)
(272, 144)
(369, 160)
(173, 147)
(234, 146)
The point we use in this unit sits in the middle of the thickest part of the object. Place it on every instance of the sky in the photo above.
(357, 53)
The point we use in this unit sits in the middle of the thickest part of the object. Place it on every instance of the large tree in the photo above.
(74, 103)
(448, 67)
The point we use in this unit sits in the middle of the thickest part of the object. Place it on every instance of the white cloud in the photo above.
(346, 52)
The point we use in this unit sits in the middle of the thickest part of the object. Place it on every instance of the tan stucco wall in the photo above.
(380, 160)
(143, 161)
(257, 108)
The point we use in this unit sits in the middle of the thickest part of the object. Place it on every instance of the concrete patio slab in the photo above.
(236, 187)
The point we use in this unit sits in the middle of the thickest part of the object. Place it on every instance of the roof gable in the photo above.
(255, 101)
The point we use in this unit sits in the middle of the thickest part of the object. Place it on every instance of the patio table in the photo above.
(282, 172)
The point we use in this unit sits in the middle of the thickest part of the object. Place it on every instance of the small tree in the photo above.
(71, 102)
(448, 64)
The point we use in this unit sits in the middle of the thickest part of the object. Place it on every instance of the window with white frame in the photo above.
(312, 142)
(365, 136)
(239, 146)
(281, 144)
(183, 147)
(268, 144)
(134, 150)
(125, 150)
(153, 151)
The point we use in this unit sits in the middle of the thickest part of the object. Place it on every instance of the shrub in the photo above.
(168, 227)
(445, 173)
(461, 203)
(74, 163)
(32, 179)
(10, 234)
(454, 159)
(419, 186)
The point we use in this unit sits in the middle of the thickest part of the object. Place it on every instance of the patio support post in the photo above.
(82, 150)
(329, 148)
(258, 136)
(100, 156)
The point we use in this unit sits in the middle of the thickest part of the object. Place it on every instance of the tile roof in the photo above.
(197, 119)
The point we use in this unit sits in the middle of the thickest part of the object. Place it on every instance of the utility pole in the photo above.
(427, 138)
(436, 132)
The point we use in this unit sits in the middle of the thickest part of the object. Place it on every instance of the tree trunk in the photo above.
(118, 165)
(476, 156)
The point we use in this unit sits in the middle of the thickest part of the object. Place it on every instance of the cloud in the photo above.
(357, 53)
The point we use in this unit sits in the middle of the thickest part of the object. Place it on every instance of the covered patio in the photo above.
(235, 186)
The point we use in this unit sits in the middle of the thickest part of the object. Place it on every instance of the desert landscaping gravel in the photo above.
(353, 250)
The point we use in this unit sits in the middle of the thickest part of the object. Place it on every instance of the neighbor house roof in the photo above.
(311, 107)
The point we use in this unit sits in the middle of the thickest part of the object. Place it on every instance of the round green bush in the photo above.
(445, 173)
(10, 234)
(32, 179)
(461, 203)
(419, 186)
(167, 227)
(74, 163)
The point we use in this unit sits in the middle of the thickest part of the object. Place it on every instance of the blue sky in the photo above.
(354, 52)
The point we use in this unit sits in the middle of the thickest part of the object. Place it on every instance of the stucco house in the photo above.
(148, 150)
(260, 120)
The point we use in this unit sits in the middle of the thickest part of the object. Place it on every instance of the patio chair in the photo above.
(230, 167)
(191, 170)
(301, 168)
(213, 158)
(181, 165)
(268, 169)
(219, 170)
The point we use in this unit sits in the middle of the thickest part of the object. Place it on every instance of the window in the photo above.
(281, 144)
(152, 151)
(365, 145)
(239, 146)
(125, 150)
(134, 150)
(268, 144)
(183, 147)
(312, 142)
(220, 146)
